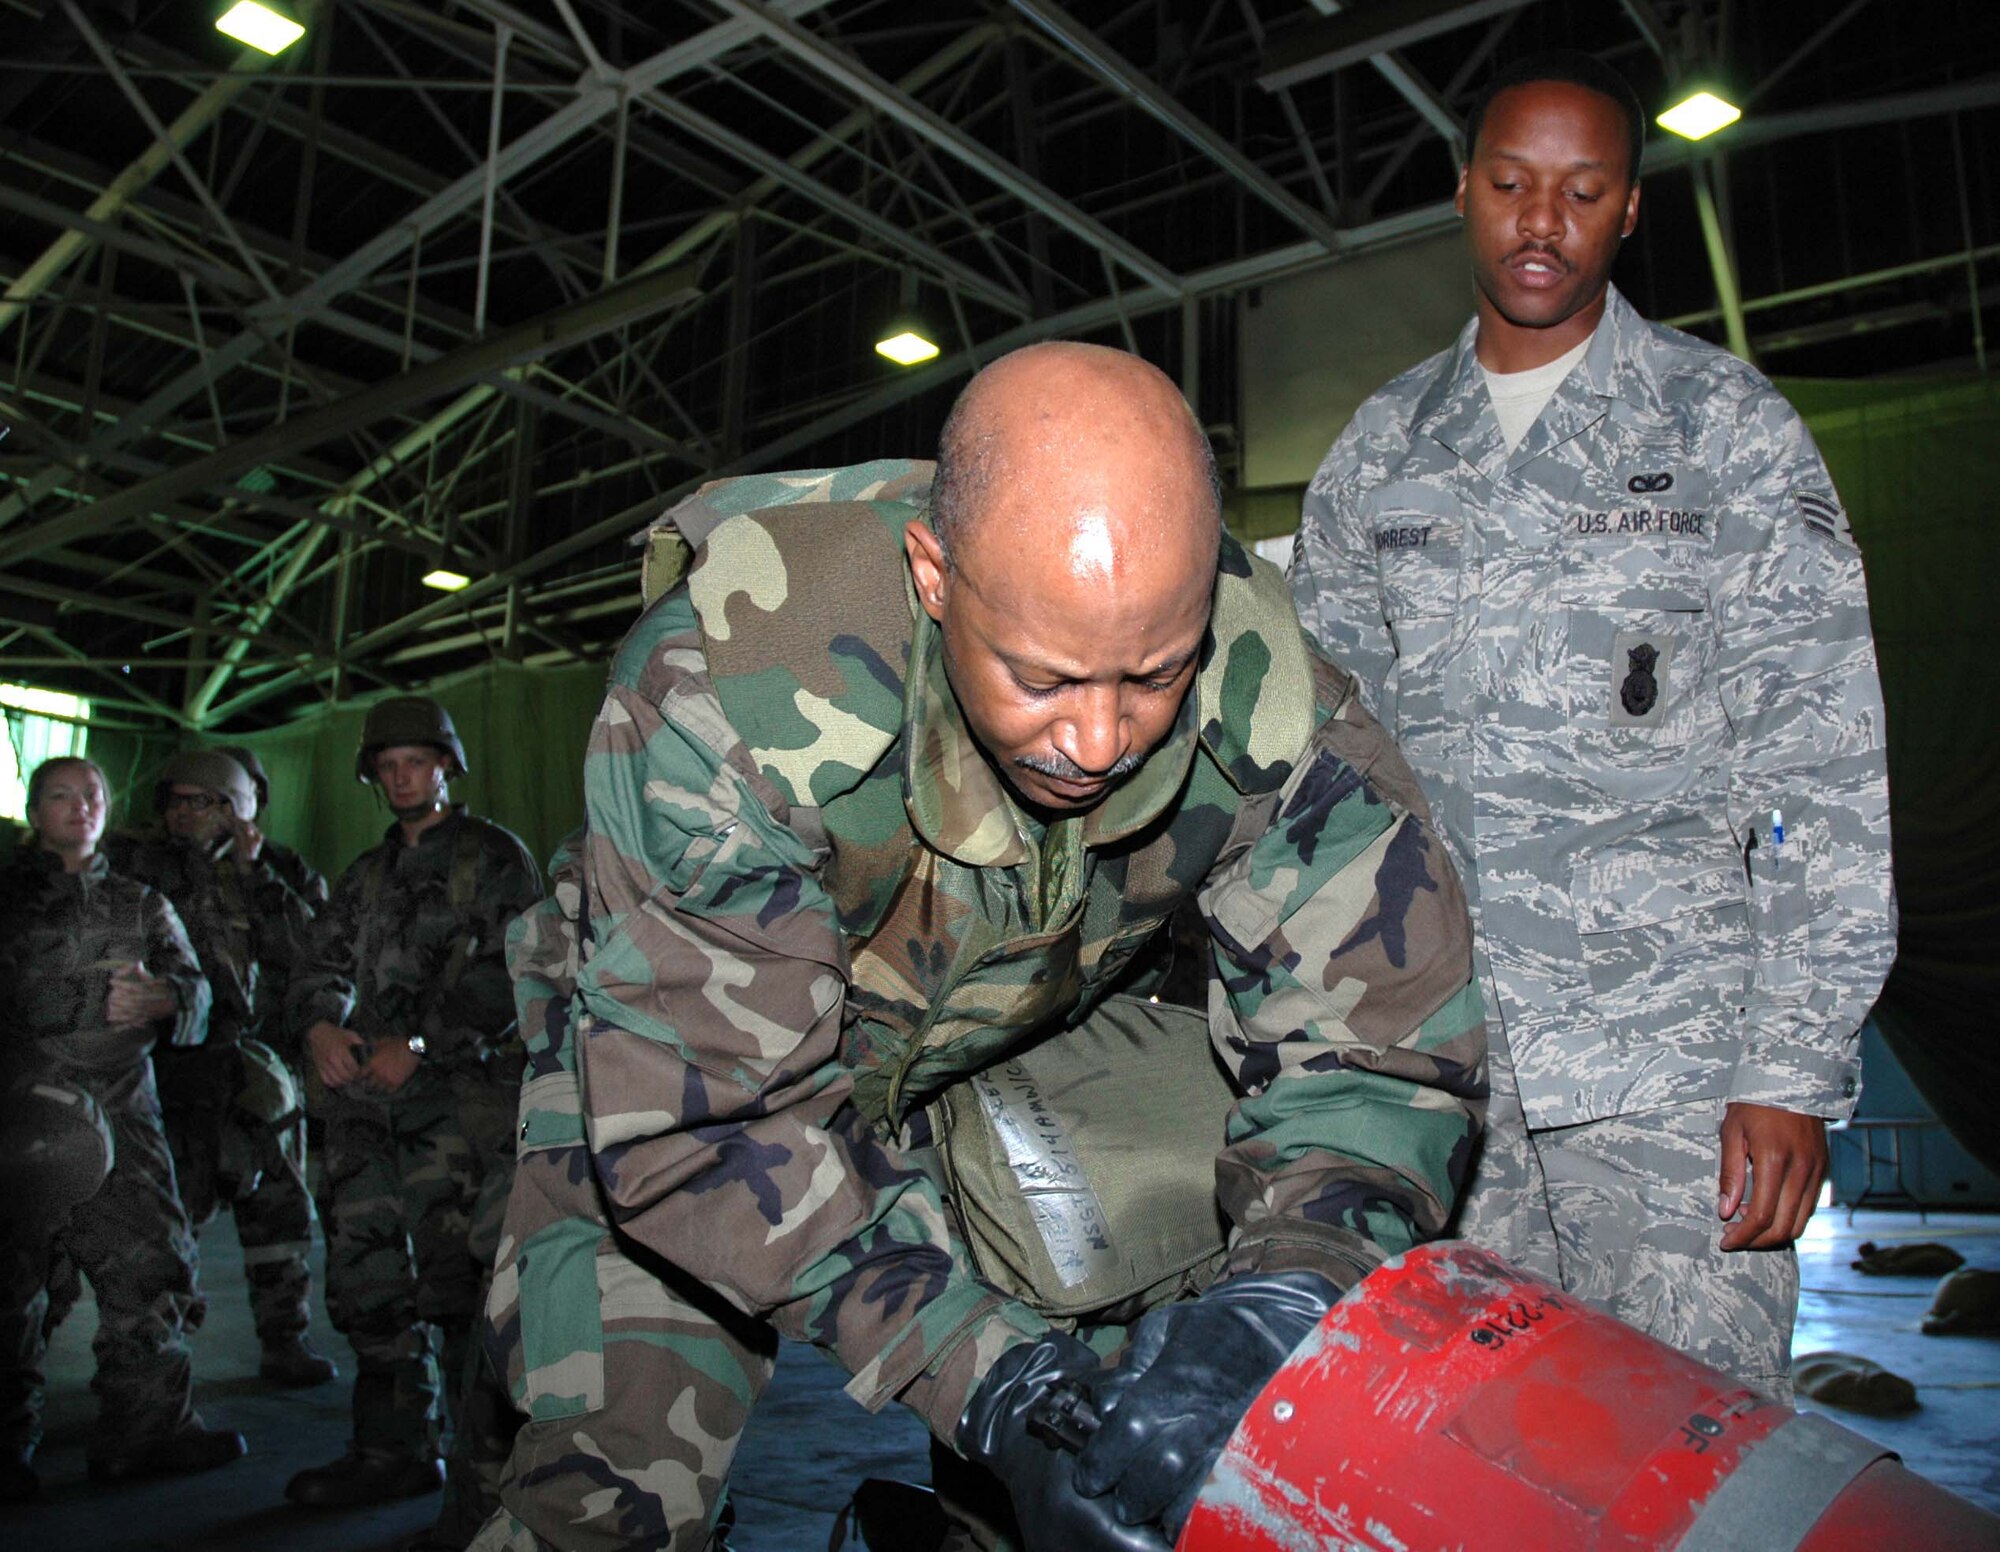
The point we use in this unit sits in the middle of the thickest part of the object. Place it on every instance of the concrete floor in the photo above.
(809, 1445)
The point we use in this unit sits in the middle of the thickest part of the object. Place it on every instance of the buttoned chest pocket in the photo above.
(1638, 660)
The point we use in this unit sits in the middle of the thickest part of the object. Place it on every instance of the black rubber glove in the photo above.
(1188, 1376)
(1041, 1477)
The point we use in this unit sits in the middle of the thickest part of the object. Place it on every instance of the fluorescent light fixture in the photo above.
(1701, 114)
(906, 348)
(446, 581)
(262, 28)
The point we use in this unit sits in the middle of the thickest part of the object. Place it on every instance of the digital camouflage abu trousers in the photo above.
(411, 1195)
(1622, 1212)
(274, 1221)
(133, 1242)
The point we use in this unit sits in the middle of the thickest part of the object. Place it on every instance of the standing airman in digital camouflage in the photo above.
(1594, 576)
(234, 1112)
(414, 1066)
(882, 803)
(305, 880)
(94, 969)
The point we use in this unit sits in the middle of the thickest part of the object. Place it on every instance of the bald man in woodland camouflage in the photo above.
(882, 803)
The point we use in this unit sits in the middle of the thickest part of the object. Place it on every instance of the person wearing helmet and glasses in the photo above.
(235, 1128)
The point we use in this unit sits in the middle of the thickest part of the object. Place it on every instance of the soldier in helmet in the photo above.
(234, 1138)
(413, 1065)
(306, 881)
(94, 969)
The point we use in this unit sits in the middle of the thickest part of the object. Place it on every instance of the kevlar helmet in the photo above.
(407, 719)
(210, 769)
(269, 1093)
(56, 1151)
(259, 777)
(265, 1103)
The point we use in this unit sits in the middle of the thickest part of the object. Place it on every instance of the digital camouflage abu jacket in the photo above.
(1612, 654)
(809, 904)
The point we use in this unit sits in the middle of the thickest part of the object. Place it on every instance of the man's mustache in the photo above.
(1540, 251)
(1063, 768)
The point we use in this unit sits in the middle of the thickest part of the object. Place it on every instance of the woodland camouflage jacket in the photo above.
(808, 904)
(246, 923)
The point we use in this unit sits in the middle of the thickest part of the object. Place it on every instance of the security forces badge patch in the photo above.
(1639, 663)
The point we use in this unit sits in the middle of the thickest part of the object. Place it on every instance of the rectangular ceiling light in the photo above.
(908, 348)
(446, 581)
(260, 27)
(1702, 114)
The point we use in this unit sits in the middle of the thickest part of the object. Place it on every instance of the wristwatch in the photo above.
(417, 1046)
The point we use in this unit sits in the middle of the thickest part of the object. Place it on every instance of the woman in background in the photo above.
(94, 969)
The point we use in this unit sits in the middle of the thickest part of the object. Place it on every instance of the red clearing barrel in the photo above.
(1451, 1401)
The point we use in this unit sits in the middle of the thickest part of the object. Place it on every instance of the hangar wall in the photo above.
(1918, 465)
(1315, 345)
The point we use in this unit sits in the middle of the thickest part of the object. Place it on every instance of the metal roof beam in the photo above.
(224, 278)
(593, 102)
(125, 608)
(609, 309)
(1112, 68)
(142, 170)
(842, 69)
(1349, 37)
(1763, 128)
(965, 44)
(778, 172)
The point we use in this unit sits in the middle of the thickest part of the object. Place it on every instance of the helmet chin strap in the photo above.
(436, 803)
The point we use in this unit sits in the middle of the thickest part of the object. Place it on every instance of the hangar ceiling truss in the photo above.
(483, 285)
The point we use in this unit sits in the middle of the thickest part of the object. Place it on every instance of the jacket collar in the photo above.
(47, 865)
(1456, 410)
(454, 812)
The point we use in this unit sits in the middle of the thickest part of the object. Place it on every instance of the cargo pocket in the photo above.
(1665, 930)
(758, 962)
(545, 1326)
(1103, 962)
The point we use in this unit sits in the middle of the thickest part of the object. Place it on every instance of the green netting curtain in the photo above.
(1918, 464)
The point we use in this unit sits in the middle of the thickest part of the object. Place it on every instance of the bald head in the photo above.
(1070, 563)
(1081, 418)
